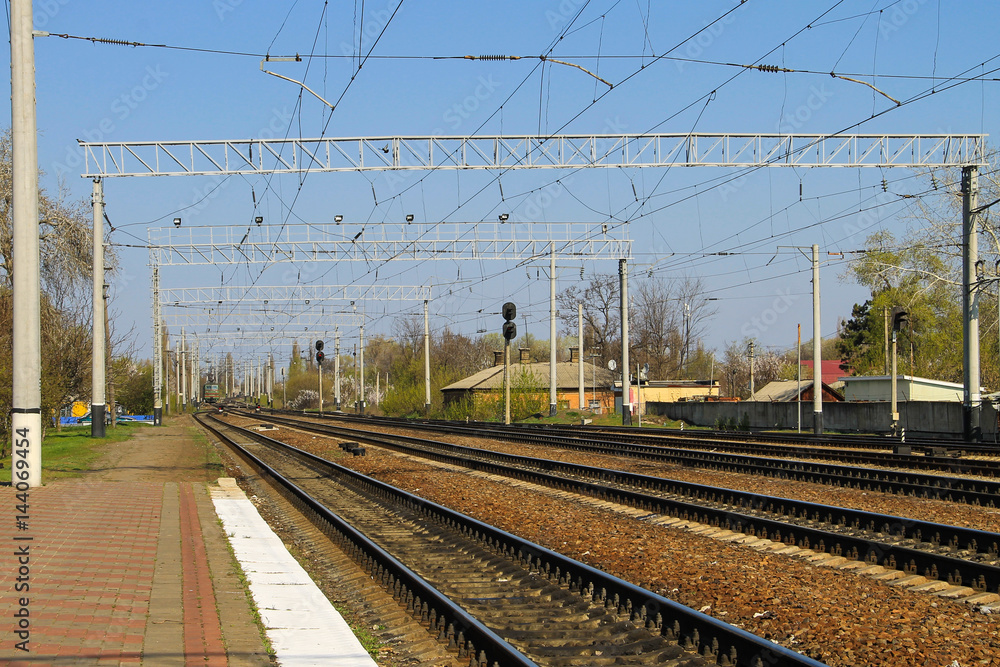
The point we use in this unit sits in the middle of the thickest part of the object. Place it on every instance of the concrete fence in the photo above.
(924, 418)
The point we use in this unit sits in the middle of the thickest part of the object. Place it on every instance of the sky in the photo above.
(396, 69)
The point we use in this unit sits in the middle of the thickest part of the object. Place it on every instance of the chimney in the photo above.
(574, 355)
(497, 358)
(525, 355)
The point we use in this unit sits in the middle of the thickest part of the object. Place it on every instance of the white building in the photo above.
(869, 388)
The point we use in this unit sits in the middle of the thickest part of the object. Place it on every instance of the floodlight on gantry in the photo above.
(293, 156)
(191, 246)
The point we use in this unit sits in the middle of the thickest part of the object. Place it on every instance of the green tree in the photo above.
(135, 387)
(921, 281)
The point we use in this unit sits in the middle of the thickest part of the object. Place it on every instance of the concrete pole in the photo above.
(970, 305)
(582, 396)
(166, 377)
(798, 377)
(182, 374)
(177, 376)
(750, 349)
(427, 362)
(284, 390)
(506, 381)
(626, 389)
(98, 358)
(26, 411)
(817, 349)
(157, 350)
(361, 361)
(553, 378)
(894, 418)
(336, 370)
(320, 364)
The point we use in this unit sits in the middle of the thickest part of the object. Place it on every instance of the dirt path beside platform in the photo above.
(173, 452)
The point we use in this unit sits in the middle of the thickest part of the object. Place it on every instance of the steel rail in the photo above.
(845, 450)
(452, 623)
(636, 437)
(954, 489)
(691, 629)
(957, 571)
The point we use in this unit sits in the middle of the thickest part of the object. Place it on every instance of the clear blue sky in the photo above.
(105, 92)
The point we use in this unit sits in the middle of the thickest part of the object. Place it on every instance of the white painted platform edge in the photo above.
(304, 628)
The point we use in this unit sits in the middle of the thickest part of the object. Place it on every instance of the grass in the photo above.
(72, 452)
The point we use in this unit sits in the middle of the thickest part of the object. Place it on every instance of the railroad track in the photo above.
(981, 492)
(947, 460)
(486, 591)
(960, 556)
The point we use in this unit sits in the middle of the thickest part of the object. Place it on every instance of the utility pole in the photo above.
(98, 362)
(336, 369)
(506, 381)
(885, 317)
(970, 305)
(579, 337)
(110, 380)
(626, 389)
(798, 377)
(166, 376)
(553, 401)
(361, 361)
(750, 349)
(182, 374)
(26, 429)
(687, 336)
(894, 418)
(157, 350)
(817, 349)
(269, 374)
(427, 362)
(26, 411)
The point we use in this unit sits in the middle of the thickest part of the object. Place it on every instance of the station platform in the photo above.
(105, 571)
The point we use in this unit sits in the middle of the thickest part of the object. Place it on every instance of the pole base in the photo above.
(157, 416)
(97, 421)
(626, 416)
(817, 423)
(552, 409)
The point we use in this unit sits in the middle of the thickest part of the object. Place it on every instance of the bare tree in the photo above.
(735, 373)
(601, 314)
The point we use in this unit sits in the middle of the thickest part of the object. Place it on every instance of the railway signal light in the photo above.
(320, 357)
(319, 345)
(899, 318)
(509, 311)
(509, 330)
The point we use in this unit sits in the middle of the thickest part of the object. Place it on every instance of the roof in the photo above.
(567, 376)
(905, 378)
(784, 391)
(780, 391)
(830, 370)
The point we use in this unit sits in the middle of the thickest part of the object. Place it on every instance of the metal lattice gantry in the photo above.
(264, 319)
(268, 244)
(303, 294)
(278, 156)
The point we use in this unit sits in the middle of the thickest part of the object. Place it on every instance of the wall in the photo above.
(917, 417)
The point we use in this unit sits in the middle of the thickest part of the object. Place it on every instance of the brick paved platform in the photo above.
(121, 573)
